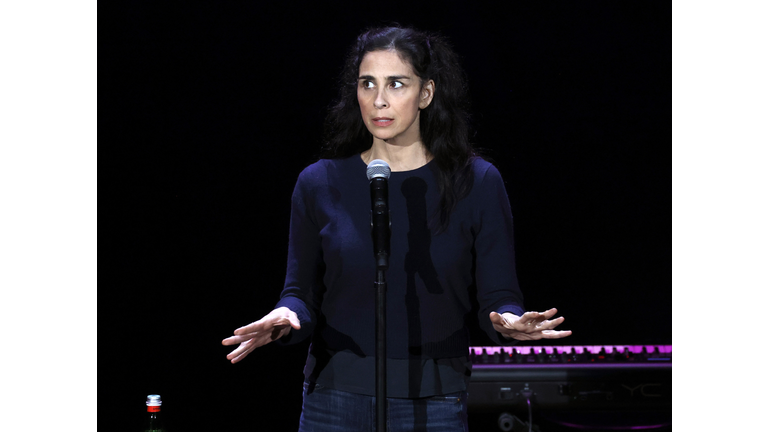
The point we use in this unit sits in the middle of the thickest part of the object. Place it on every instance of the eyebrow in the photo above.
(389, 78)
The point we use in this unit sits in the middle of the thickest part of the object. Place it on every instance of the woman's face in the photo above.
(390, 96)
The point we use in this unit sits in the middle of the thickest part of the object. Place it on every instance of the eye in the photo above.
(396, 84)
(367, 84)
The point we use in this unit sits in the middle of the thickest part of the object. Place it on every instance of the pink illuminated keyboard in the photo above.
(571, 354)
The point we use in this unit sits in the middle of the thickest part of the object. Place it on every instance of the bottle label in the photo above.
(153, 408)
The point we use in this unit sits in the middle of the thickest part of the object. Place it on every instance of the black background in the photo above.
(209, 111)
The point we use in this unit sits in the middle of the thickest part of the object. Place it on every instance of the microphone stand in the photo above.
(381, 351)
(380, 229)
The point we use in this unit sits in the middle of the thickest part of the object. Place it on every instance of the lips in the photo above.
(383, 121)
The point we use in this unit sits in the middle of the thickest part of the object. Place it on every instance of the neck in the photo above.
(400, 157)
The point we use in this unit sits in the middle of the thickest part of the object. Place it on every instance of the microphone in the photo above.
(378, 174)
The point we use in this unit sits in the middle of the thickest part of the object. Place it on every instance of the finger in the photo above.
(248, 346)
(279, 316)
(543, 317)
(529, 317)
(549, 313)
(241, 355)
(260, 339)
(538, 316)
(245, 346)
(261, 325)
(548, 324)
(232, 340)
(555, 334)
(253, 327)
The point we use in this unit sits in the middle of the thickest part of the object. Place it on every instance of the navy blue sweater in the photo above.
(331, 269)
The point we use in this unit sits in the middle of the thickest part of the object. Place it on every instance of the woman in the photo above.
(403, 101)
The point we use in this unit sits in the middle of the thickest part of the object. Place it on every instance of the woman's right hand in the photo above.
(273, 326)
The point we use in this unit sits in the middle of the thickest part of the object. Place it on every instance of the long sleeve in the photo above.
(304, 261)
(495, 274)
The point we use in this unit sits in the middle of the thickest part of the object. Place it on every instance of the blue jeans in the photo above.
(329, 410)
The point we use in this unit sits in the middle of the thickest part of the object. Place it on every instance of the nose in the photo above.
(380, 102)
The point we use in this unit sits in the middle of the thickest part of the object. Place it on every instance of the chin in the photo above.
(380, 136)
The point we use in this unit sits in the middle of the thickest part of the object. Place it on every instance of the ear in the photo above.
(427, 93)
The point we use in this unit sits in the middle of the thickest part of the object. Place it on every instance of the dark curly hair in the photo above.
(444, 124)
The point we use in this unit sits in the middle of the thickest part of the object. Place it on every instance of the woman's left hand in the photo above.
(530, 326)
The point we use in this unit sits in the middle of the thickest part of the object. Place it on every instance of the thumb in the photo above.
(503, 319)
(288, 317)
(294, 319)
